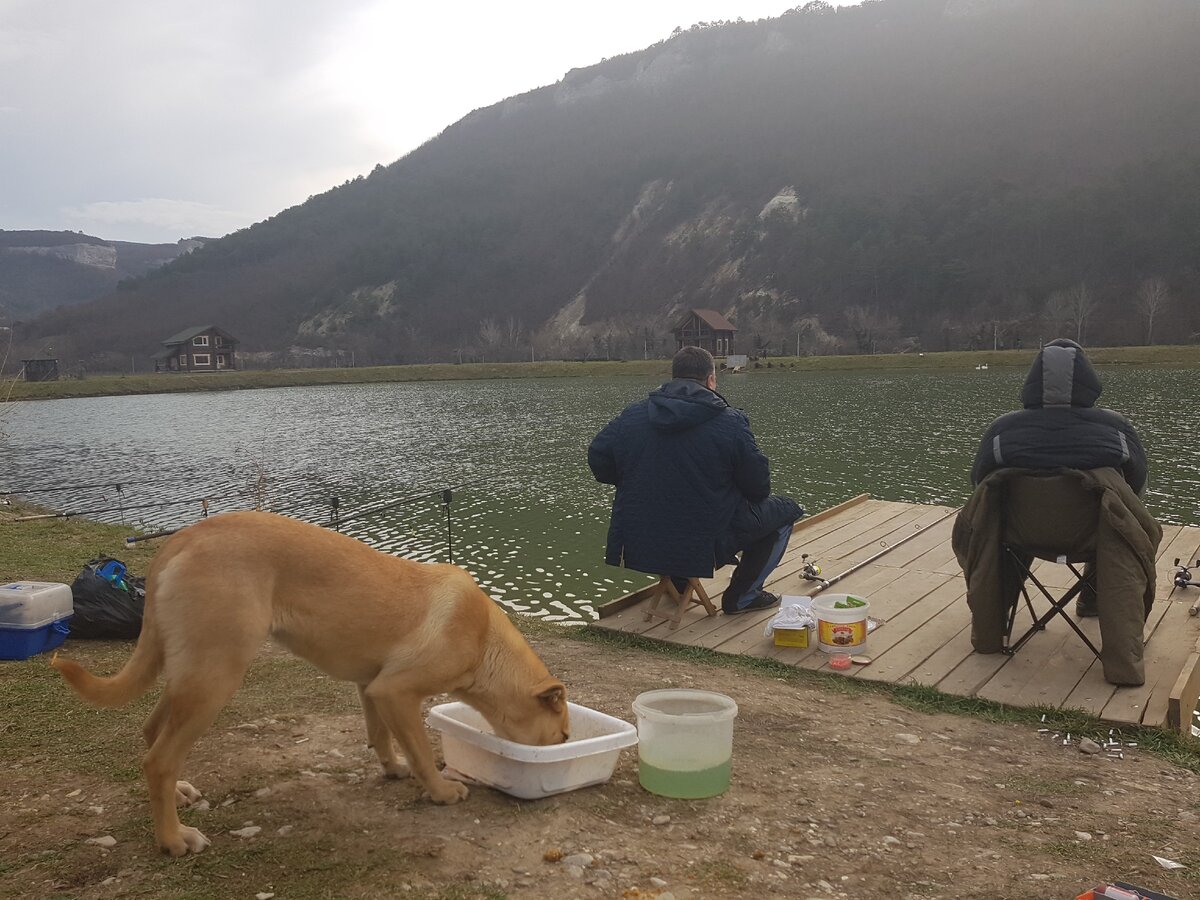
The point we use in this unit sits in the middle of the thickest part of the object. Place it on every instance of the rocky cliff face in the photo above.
(101, 256)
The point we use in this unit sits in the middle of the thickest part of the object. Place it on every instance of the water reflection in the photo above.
(526, 518)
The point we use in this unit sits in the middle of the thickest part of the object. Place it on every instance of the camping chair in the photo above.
(1020, 559)
(1029, 531)
(676, 601)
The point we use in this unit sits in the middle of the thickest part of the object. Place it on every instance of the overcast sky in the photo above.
(152, 120)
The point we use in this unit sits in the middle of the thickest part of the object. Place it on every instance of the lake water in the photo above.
(526, 518)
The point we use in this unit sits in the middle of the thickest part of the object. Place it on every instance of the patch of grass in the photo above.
(242, 379)
(48, 724)
(1076, 851)
(295, 869)
(1038, 787)
(718, 873)
(247, 379)
(56, 549)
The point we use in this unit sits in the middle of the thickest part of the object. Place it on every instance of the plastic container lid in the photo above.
(32, 604)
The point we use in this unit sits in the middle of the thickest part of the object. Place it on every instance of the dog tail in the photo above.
(135, 678)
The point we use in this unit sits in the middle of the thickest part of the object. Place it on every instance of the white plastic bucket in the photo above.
(840, 630)
(685, 742)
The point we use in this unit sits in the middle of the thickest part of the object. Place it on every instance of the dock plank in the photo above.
(903, 644)
(1041, 668)
(973, 671)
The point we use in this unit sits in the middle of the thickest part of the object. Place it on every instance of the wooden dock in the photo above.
(915, 586)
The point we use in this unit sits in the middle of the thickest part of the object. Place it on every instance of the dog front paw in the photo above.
(186, 795)
(188, 840)
(447, 792)
(397, 769)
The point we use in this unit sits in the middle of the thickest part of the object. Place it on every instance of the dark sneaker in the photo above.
(1085, 608)
(764, 600)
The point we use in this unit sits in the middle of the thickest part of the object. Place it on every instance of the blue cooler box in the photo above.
(33, 618)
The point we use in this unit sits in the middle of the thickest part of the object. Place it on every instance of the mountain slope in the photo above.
(906, 172)
(43, 269)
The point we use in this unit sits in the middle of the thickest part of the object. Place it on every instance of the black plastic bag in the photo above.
(109, 602)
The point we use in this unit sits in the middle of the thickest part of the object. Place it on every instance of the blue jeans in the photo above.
(758, 562)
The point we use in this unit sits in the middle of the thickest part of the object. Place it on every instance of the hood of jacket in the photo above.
(682, 404)
(1061, 376)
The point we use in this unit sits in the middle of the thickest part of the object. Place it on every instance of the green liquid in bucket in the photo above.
(689, 784)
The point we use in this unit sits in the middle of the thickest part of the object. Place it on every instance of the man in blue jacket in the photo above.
(693, 488)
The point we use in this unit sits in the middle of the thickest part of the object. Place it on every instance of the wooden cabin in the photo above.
(202, 348)
(707, 329)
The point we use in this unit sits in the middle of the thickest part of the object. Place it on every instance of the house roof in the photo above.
(709, 317)
(188, 333)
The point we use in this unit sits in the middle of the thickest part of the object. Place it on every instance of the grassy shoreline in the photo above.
(1182, 356)
(56, 549)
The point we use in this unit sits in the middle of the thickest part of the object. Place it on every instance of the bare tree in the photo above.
(1153, 298)
(1072, 306)
(491, 336)
(513, 329)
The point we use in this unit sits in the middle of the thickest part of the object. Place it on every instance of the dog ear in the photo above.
(553, 693)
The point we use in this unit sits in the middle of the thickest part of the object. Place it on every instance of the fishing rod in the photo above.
(148, 537)
(444, 493)
(72, 487)
(888, 549)
(92, 512)
(135, 539)
(336, 520)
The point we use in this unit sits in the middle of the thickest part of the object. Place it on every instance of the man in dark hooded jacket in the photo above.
(1061, 426)
(1062, 476)
(692, 487)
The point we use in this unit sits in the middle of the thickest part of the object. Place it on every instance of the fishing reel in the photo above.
(809, 570)
(1183, 575)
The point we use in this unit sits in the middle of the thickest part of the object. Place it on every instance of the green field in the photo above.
(115, 385)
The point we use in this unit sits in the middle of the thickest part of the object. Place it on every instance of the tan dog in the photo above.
(401, 630)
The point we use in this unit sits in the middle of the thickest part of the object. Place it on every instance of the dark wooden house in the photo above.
(705, 328)
(39, 369)
(203, 348)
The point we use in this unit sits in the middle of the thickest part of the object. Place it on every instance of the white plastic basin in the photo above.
(474, 753)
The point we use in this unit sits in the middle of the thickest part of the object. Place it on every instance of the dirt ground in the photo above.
(834, 795)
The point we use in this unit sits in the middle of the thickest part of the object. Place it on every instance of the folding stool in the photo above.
(677, 601)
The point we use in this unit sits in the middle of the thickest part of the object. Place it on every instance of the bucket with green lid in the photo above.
(841, 622)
